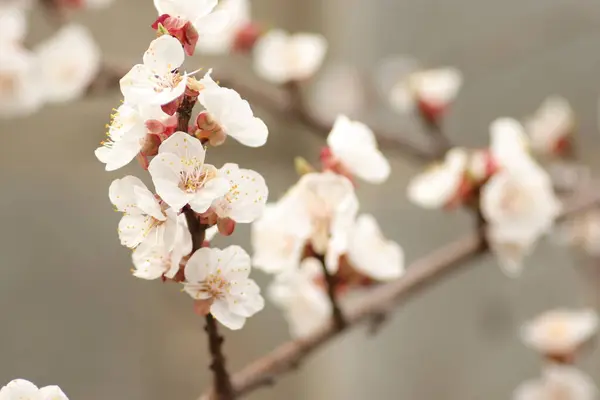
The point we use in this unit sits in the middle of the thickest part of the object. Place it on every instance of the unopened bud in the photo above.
(180, 29)
(303, 167)
(246, 38)
(171, 108)
(226, 226)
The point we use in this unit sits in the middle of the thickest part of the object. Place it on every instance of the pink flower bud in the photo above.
(226, 226)
(246, 38)
(180, 29)
(432, 112)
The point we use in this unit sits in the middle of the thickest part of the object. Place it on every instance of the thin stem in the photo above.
(222, 381)
(184, 113)
(336, 311)
(197, 230)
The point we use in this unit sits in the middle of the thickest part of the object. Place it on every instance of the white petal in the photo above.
(165, 170)
(200, 264)
(270, 57)
(247, 196)
(212, 190)
(220, 310)
(146, 202)
(164, 55)
(52, 393)
(234, 263)
(213, 22)
(308, 52)
(19, 389)
(184, 146)
(133, 229)
(186, 9)
(122, 195)
(371, 253)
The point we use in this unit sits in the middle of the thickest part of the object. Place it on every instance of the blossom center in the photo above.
(216, 285)
(195, 176)
(167, 82)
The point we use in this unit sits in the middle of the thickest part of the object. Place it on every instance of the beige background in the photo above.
(72, 314)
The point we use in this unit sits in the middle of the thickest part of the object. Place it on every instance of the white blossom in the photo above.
(560, 331)
(232, 113)
(436, 88)
(154, 261)
(13, 20)
(220, 279)
(145, 218)
(221, 40)
(440, 184)
(280, 57)
(199, 12)
(558, 382)
(330, 204)
(371, 254)
(19, 82)
(21, 389)
(509, 145)
(279, 235)
(98, 3)
(127, 134)
(520, 206)
(306, 306)
(180, 175)
(68, 62)
(354, 145)
(247, 195)
(154, 81)
(551, 125)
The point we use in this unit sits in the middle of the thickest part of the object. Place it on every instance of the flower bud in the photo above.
(226, 226)
(246, 37)
(180, 29)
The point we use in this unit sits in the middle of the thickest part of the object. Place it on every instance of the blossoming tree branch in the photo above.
(313, 241)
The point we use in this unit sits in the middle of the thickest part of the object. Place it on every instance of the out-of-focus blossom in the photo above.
(442, 183)
(551, 127)
(20, 92)
(519, 204)
(324, 99)
(558, 382)
(154, 261)
(373, 255)
(181, 176)
(432, 91)
(232, 113)
(279, 235)
(199, 12)
(509, 144)
(560, 332)
(68, 62)
(13, 20)
(128, 134)
(331, 205)
(280, 57)
(582, 231)
(247, 194)
(218, 281)
(154, 81)
(353, 145)
(304, 303)
(224, 39)
(144, 217)
(21, 389)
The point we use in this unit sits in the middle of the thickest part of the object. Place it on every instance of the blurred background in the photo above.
(73, 315)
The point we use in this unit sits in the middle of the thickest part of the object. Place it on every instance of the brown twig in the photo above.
(381, 301)
(215, 341)
(338, 319)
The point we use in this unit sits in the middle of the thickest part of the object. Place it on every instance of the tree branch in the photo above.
(215, 341)
(381, 301)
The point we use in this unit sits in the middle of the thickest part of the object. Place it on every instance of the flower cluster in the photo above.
(21, 389)
(512, 191)
(58, 69)
(314, 229)
(168, 231)
(559, 335)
